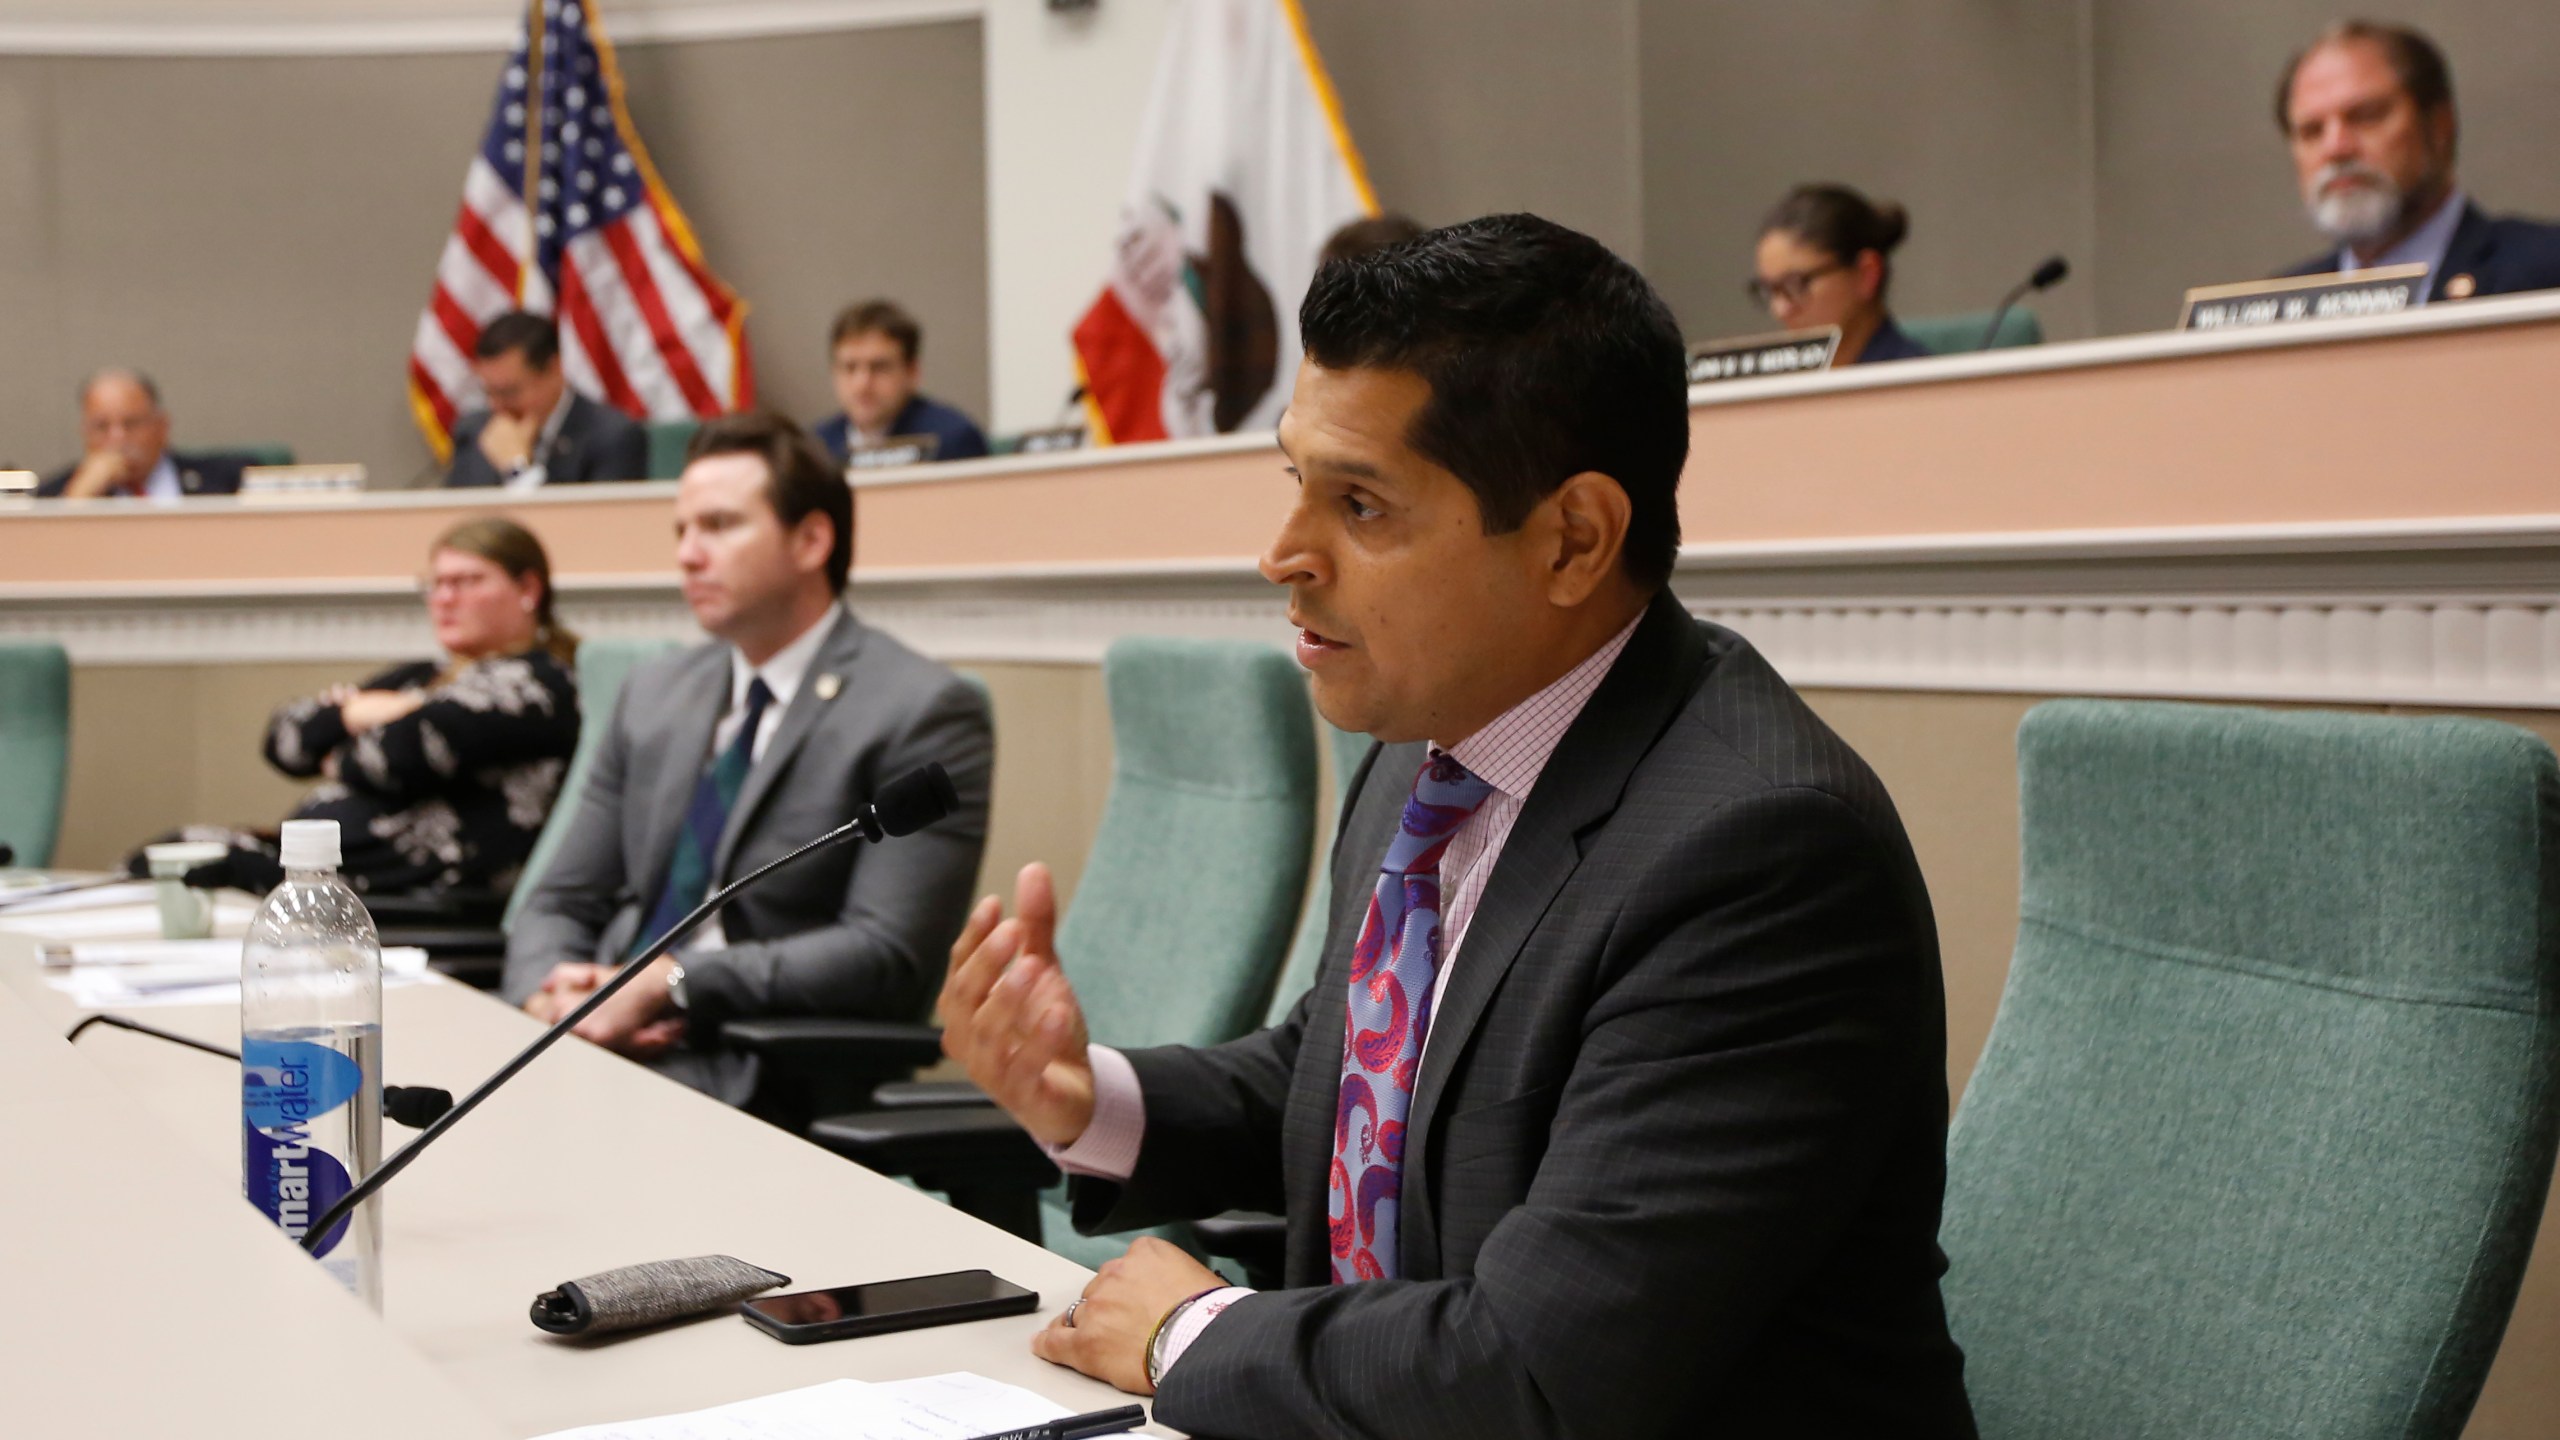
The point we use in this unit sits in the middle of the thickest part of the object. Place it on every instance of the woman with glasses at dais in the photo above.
(439, 773)
(1825, 258)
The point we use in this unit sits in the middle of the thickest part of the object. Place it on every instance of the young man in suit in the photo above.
(124, 440)
(2368, 110)
(875, 360)
(538, 430)
(1618, 1106)
(731, 754)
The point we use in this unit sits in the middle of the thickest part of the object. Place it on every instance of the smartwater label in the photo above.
(285, 1085)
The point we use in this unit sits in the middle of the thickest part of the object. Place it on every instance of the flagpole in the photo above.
(532, 147)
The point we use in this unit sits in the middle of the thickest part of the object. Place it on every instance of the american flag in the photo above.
(597, 242)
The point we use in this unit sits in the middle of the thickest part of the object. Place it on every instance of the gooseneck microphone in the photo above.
(2046, 276)
(903, 806)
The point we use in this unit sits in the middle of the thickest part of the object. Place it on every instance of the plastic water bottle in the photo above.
(311, 1056)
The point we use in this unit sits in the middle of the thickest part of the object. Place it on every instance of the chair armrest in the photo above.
(894, 1046)
(928, 1095)
(1258, 1242)
(956, 1148)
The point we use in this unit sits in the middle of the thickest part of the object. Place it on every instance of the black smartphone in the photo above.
(806, 1316)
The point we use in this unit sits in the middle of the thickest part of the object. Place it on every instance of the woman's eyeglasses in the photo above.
(1790, 287)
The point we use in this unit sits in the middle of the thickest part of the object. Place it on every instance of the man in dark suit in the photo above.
(731, 754)
(2368, 109)
(124, 439)
(538, 430)
(874, 356)
(1618, 1106)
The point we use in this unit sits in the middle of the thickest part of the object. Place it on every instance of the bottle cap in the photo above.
(310, 845)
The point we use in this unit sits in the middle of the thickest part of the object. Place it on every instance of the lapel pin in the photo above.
(828, 685)
(2460, 287)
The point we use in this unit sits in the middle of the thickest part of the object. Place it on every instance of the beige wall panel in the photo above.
(1972, 113)
(1053, 771)
(824, 169)
(1465, 107)
(2193, 182)
(260, 232)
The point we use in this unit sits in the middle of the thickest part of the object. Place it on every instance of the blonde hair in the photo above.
(512, 548)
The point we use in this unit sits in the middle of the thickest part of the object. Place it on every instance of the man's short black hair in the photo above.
(532, 336)
(883, 317)
(799, 478)
(1546, 355)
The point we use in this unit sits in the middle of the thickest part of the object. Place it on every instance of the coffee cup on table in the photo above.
(185, 913)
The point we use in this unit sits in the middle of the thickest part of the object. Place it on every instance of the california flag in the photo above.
(1243, 169)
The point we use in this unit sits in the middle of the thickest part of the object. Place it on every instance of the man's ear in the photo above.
(1589, 515)
(812, 540)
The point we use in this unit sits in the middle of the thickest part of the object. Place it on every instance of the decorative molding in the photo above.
(2461, 613)
(156, 30)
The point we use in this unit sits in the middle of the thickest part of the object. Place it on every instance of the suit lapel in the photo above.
(556, 462)
(702, 696)
(818, 690)
(1581, 785)
(2467, 253)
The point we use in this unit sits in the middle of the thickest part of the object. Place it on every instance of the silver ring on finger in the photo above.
(1069, 1319)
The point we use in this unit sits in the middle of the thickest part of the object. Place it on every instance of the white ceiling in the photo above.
(289, 27)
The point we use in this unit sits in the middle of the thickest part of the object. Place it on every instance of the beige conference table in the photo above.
(584, 1162)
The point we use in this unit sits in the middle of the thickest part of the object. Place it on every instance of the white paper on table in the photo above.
(213, 979)
(99, 897)
(959, 1406)
(127, 921)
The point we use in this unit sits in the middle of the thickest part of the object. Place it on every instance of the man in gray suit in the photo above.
(1659, 1149)
(729, 755)
(538, 430)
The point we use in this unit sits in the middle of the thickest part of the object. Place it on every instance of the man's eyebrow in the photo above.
(1360, 469)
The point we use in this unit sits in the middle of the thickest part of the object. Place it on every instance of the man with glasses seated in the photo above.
(124, 441)
(1822, 259)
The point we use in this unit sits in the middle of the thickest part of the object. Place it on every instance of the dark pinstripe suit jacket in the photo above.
(1678, 1141)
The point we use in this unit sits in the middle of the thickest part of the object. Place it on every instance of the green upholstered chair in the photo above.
(35, 747)
(2261, 1135)
(1179, 923)
(667, 442)
(602, 667)
(1962, 334)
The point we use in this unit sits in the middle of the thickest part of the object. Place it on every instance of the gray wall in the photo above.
(260, 233)
(1463, 107)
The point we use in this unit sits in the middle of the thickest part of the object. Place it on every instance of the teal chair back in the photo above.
(1181, 919)
(602, 667)
(35, 747)
(1306, 952)
(2261, 1135)
(667, 442)
(1183, 913)
(1962, 334)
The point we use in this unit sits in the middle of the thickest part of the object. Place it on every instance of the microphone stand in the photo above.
(862, 827)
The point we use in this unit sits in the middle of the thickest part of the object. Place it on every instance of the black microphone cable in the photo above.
(416, 1106)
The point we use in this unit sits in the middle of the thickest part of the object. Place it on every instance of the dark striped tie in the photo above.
(689, 876)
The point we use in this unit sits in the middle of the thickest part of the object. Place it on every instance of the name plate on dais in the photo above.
(2341, 296)
(894, 451)
(1789, 352)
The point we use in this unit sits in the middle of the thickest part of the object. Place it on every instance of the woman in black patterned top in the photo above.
(441, 775)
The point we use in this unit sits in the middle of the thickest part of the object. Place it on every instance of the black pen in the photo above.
(1078, 1427)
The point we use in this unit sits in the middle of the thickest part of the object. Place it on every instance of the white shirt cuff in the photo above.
(1186, 1327)
(1108, 1148)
